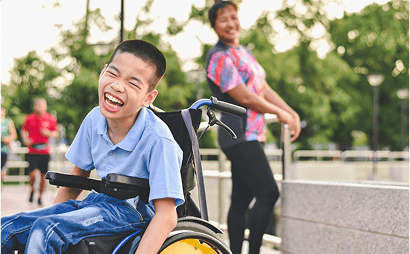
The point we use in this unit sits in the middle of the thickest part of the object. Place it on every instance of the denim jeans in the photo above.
(52, 229)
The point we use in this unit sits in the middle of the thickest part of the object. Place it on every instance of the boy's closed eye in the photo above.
(112, 73)
(135, 85)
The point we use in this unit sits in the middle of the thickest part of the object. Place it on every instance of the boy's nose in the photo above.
(117, 87)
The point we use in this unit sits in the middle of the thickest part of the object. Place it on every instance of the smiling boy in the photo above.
(120, 136)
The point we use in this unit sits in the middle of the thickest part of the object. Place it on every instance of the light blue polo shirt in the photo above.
(148, 151)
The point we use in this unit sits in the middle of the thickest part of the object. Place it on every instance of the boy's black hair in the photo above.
(212, 13)
(147, 52)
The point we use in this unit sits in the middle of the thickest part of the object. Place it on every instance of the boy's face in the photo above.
(123, 86)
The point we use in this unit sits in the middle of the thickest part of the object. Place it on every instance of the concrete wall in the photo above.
(329, 217)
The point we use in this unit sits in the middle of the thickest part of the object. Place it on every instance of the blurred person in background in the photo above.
(235, 76)
(8, 134)
(37, 129)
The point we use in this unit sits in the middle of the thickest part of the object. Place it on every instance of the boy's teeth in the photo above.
(112, 105)
(113, 99)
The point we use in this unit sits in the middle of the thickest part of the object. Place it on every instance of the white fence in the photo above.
(319, 155)
(16, 160)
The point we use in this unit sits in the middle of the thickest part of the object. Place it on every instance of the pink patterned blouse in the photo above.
(229, 67)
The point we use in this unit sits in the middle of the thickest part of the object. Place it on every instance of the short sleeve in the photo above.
(223, 72)
(24, 127)
(164, 171)
(79, 152)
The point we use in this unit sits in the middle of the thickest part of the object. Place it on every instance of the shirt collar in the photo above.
(132, 137)
(223, 44)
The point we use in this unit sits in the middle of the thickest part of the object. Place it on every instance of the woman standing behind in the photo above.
(235, 76)
(8, 134)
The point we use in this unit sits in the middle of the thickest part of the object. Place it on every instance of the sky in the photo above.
(27, 25)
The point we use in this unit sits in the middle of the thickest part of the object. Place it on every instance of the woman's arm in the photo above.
(274, 98)
(13, 133)
(163, 222)
(66, 193)
(246, 98)
(270, 95)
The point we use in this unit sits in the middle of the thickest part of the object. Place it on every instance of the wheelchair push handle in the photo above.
(220, 105)
(228, 107)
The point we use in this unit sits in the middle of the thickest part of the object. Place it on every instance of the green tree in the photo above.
(376, 40)
(75, 92)
(81, 95)
(314, 87)
(30, 78)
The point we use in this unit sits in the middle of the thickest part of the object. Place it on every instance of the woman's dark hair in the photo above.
(147, 52)
(212, 13)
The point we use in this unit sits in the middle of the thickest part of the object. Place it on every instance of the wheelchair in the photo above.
(193, 233)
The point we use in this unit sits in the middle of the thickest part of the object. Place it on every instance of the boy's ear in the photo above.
(150, 97)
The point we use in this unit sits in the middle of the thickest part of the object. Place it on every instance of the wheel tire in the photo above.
(185, 229)
(196, 227)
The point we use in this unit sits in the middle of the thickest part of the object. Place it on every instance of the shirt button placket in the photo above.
(110, 160)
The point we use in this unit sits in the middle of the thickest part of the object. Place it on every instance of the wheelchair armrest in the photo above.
(72, 181)
(127, 182)
(114, 185)
(124, 187)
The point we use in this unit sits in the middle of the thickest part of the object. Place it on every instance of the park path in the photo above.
(14, 199)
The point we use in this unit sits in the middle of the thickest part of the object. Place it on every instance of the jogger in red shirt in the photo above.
(37, 129)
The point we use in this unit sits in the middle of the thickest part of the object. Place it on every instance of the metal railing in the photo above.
(347, 155)
(16, 160)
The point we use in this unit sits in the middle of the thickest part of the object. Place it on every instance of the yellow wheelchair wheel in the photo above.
(189, 246)
(194, 238)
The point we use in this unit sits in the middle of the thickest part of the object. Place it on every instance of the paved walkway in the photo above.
(14, 199)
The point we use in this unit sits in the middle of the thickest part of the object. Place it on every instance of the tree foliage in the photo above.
(30, 78)
(329, 91)
(376, 40)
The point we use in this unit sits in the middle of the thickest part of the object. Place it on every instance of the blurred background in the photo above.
(342, 65)
(320, 56)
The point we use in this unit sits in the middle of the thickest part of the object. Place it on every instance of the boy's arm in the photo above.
(163, 222)
(66, 193)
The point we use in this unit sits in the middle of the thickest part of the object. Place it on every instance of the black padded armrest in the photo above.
(72, 181)
(127, 182)
(114, 185)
